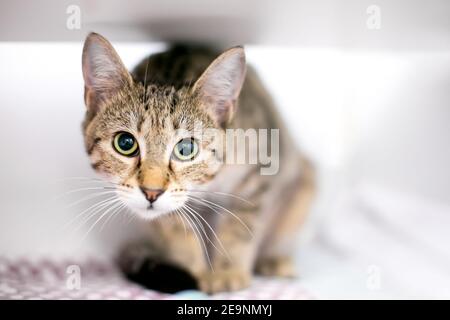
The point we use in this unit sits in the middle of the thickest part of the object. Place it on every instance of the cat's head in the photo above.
(144, 140)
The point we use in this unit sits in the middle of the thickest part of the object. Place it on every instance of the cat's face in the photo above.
(151, 143)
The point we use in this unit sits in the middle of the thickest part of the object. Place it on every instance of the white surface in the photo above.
(379, 243)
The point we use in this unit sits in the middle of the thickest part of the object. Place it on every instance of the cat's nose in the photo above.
(152, 194)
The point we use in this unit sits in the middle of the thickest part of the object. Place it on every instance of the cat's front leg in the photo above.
(232, 269)
(181, 245)
(170, 243)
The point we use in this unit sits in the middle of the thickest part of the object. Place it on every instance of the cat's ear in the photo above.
(103, 72)
(219, 86)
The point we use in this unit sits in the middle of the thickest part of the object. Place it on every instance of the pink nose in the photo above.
(152, 194)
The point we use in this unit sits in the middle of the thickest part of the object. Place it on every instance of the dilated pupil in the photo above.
(186, 148)
(126, 142)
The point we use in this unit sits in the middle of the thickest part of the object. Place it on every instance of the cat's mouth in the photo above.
(149, 208)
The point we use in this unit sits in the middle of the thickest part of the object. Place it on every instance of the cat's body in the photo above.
(247, 220)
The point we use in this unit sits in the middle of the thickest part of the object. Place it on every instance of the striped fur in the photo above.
(151, 103)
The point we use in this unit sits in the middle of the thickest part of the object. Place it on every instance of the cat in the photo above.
(220, 222)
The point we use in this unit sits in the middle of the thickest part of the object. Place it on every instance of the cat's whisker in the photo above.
(182, 221)
(200, 224)
(126, 214)
(99, 193)
(231, 195)
(112, 207)
(183, 214)
(81, 179)
(95, 212)
(85, 189)
(92, 207)
(145, 81)
(89, 197)
(194, 200)
(189, 87)
(130, 216)
(122, 206)
(223, 251)
(88, 213)
(198, 236)
(112, 215)
(89, 181)
(209, 204)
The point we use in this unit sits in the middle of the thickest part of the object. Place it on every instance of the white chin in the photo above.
(153, 212)
(149, 214)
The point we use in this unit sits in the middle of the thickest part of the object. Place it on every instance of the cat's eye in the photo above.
(125, 144)
(186, 149)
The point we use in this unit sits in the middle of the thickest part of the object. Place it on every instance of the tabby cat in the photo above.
(219, 221)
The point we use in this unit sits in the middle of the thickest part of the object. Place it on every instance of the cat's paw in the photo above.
(142, 264)
(232, 279)
(280, 266)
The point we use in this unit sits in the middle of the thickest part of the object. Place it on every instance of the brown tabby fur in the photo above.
(161, 95)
